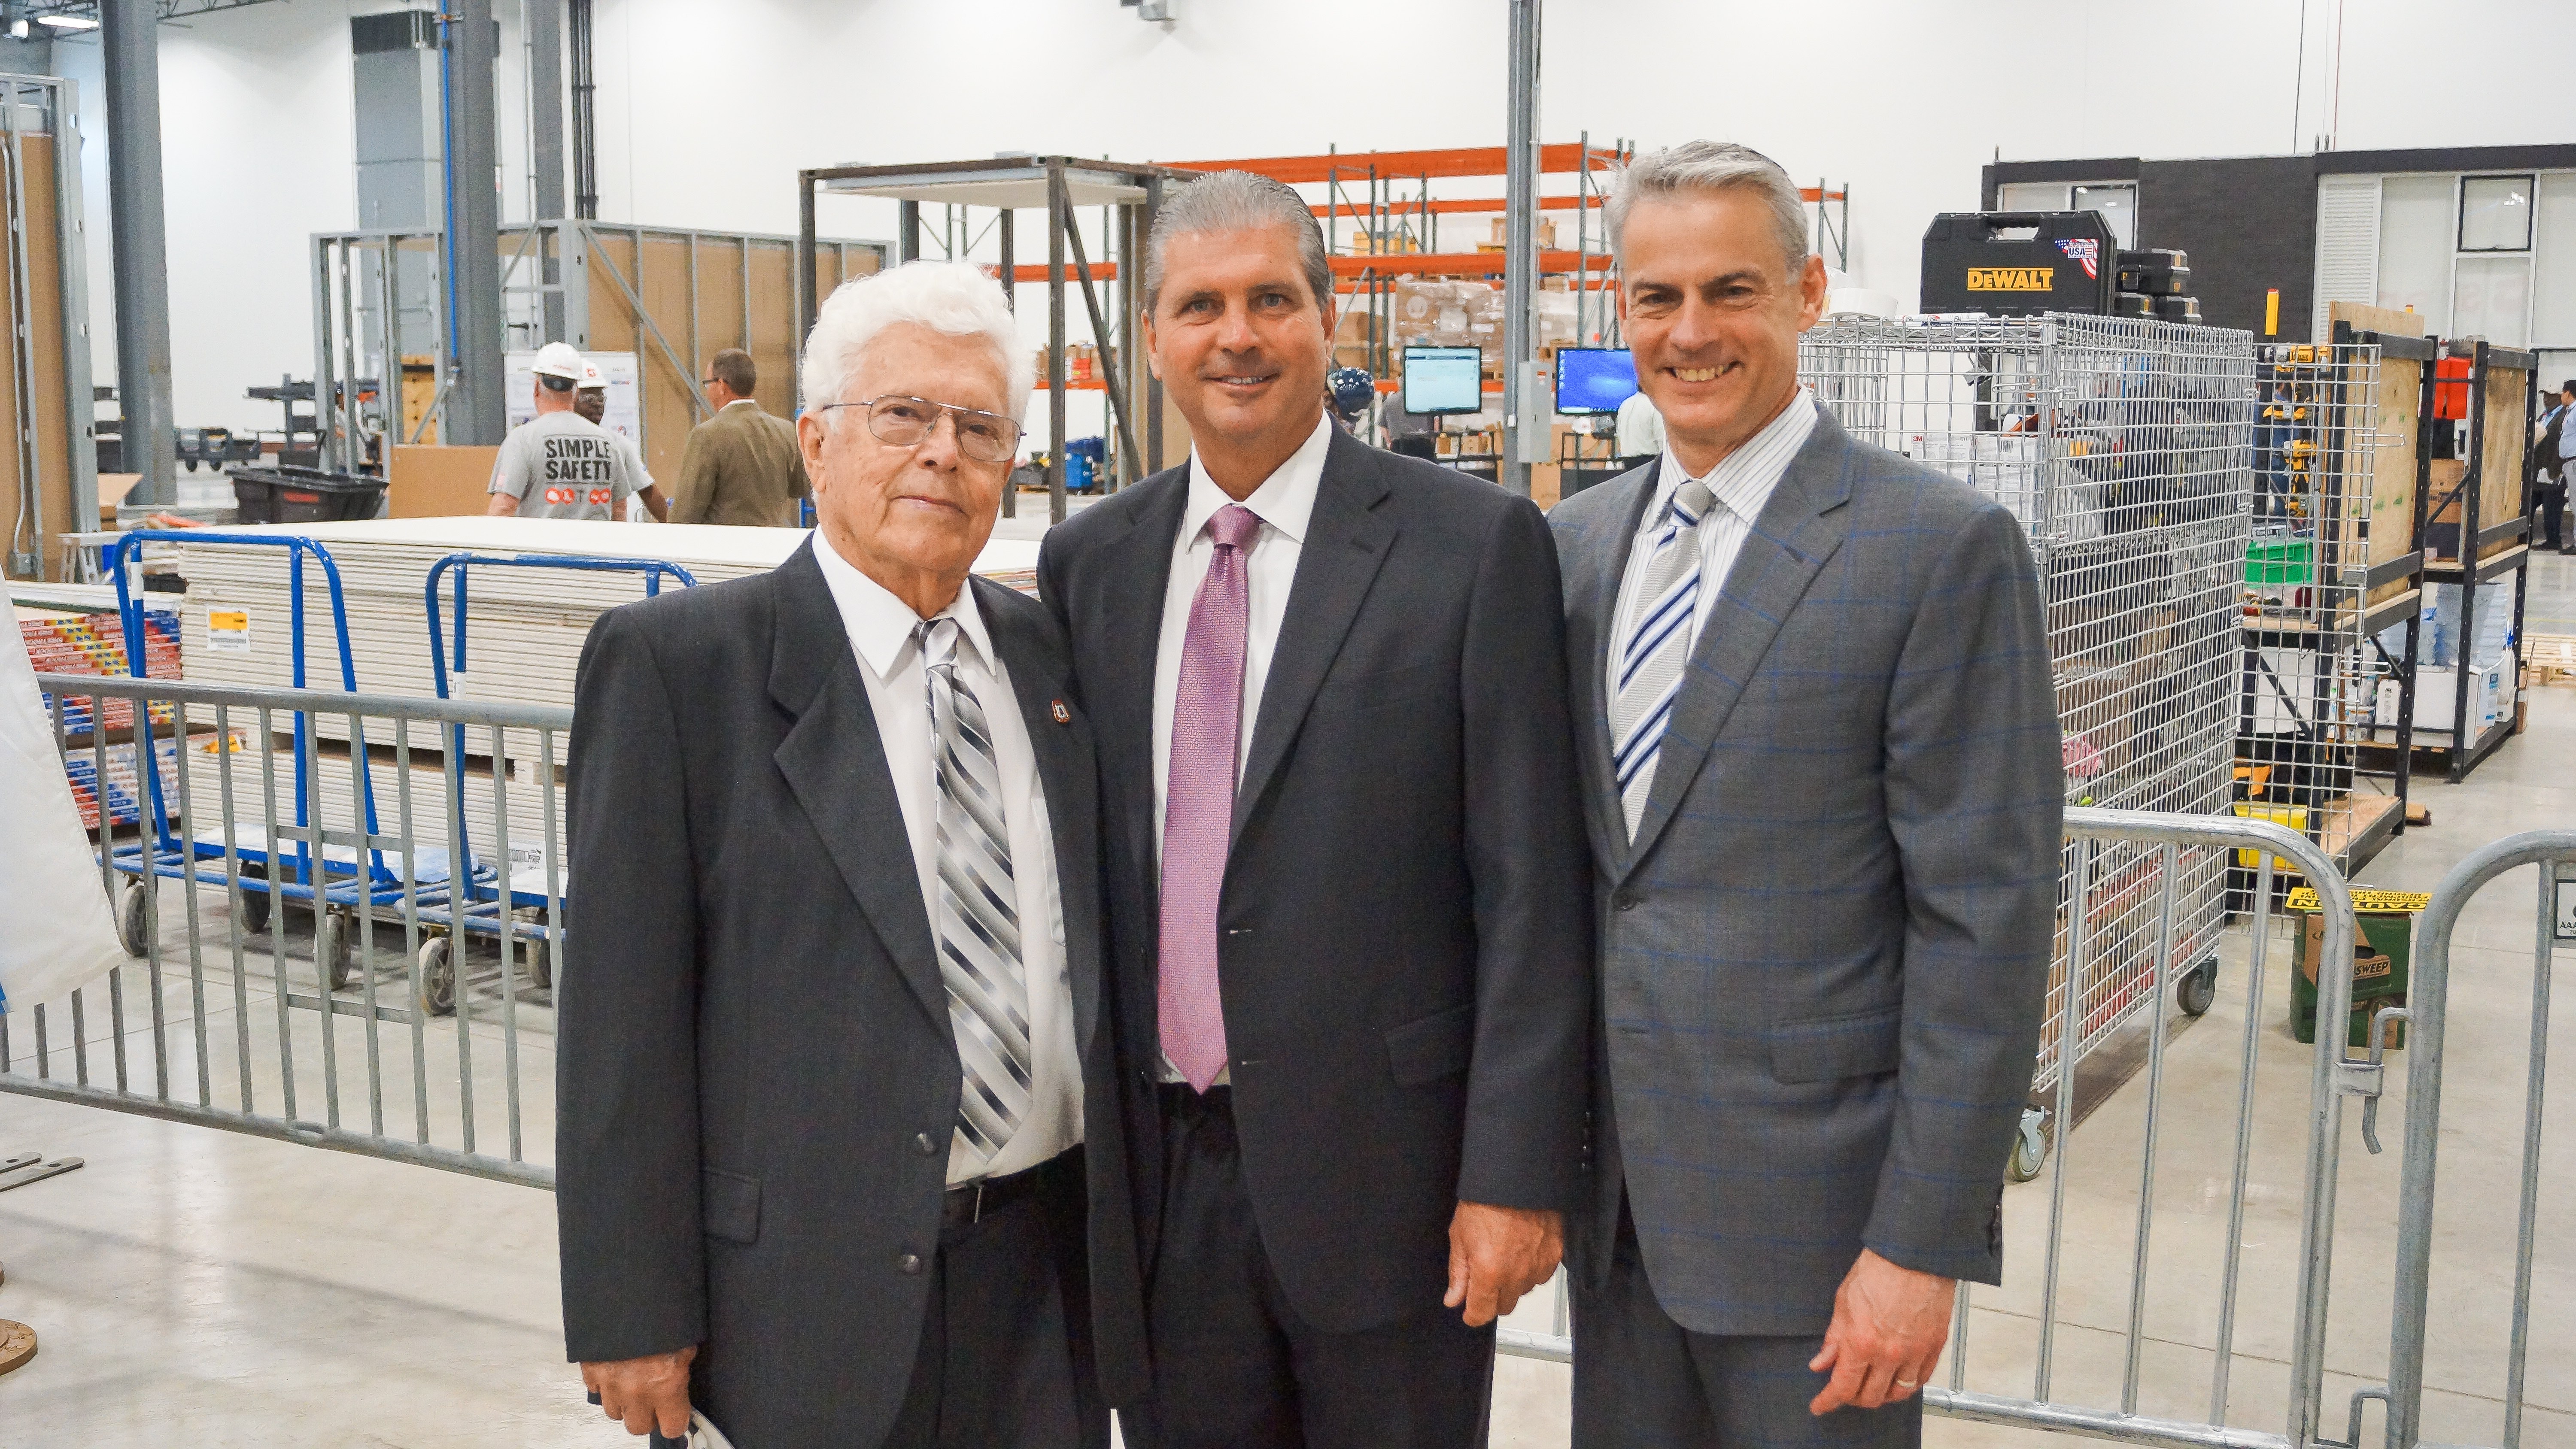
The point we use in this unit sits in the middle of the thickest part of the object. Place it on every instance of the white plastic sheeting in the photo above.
(55, 930)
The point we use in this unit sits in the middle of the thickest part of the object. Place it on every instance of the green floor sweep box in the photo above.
(2383, 944)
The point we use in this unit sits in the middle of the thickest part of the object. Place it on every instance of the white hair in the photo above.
(1710, 166)
(953, 298)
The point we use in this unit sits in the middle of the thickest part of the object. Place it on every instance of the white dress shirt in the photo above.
(1285, 503)
(1742, 483)
(881, 635)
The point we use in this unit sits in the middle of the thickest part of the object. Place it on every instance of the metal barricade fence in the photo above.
(327, 858)
(2554, 851)
(249, 1045)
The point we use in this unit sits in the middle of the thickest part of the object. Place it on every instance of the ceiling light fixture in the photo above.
(68, 22)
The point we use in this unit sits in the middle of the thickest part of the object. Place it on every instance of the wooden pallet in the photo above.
(2551, 658)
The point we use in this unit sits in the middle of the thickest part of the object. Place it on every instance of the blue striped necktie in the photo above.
(1654, 644)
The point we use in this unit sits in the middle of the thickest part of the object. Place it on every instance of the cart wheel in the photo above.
(540, 969)
(2198, 989)
(331, 949)
(2030, 1146)
(254, 903)
(438, 976)
(131, 920)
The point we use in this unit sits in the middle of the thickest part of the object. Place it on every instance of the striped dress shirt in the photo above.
(1741, 483)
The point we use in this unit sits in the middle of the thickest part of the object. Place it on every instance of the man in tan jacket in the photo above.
(742, 465)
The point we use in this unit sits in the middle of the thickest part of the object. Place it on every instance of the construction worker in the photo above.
(560, 464)
(592, 403)
(742, 465)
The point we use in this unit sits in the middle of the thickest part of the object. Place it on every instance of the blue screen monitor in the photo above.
(1444, 380)
(1594, 380)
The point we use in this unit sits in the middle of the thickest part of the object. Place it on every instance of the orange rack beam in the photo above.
(1420, 264)
(1455, 161)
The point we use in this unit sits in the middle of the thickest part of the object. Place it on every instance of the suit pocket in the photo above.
(1825, 1048)
(1435, 1046)
(729, 1205)
(1380, 688)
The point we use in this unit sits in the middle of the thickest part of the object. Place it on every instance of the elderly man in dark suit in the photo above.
(832, 994)
(1820, 750)
(1345, 871)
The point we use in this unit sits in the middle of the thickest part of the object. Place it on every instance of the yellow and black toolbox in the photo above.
(2019, 263)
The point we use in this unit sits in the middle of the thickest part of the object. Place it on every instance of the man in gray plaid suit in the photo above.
(1821, 757)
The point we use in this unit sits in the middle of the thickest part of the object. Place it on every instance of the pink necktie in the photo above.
(1198, 805)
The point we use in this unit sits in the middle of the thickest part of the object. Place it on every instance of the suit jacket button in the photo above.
(909, 1265)
(1625, 900)
(922, 1144)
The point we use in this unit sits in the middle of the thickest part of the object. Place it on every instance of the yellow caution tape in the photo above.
(2366, 902)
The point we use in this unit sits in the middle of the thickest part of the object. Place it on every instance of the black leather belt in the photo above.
(969, 1202)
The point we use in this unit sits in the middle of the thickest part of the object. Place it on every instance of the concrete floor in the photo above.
(227, 1290)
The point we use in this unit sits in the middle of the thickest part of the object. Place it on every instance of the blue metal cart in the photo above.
(495, 902)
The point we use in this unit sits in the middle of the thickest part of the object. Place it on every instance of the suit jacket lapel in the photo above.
(1592, 580)
(836, 763)
(1345, 543)
(1066, 773)
(1799, 529)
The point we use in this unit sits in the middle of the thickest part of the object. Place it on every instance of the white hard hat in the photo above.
(591, 376)
(559, 359)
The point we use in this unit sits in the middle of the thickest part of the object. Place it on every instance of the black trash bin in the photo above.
(304, 495)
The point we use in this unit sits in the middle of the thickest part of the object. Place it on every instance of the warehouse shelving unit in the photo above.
(2488, 542)
(1129, 193)
(2124, 447)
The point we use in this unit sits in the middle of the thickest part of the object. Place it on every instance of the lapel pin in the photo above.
(1063, 716)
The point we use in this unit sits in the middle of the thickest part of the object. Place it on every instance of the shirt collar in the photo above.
(879, 624)
(1743, 479)
(741, 402)
(1285, 500)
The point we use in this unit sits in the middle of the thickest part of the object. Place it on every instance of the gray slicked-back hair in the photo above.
(1711, 166)
(1238, 201)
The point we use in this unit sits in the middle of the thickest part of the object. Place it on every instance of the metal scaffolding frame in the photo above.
(1129, 193)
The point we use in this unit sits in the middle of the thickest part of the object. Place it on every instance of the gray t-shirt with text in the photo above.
(562, 465)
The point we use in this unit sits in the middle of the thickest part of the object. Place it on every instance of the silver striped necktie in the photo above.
(979, 918)
(1654, 645)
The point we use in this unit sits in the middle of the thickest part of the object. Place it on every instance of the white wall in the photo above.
(706, 110)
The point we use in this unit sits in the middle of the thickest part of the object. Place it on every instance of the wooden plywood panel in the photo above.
(773, 324)
(661, 279)
(44, 320)
(2507, 439)
(433, 482)
(2392, 464)
(720, 310)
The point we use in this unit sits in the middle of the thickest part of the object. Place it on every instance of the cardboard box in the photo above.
(432, 481)
(2383, 951)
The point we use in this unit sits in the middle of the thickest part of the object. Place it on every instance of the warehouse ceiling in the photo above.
(87, 10)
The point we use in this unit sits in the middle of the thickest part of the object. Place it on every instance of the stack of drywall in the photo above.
(525, 626)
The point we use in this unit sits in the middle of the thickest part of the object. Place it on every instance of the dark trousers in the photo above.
(2553, 513)
(1642, 1380)
(1005, 1355)
(1235, 1366)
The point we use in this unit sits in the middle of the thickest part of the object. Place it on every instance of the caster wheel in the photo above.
(541, 970)
(2030, 1147)
(2198, 989)
(331, 949)
(133, 909)
(254, 903)
(437, 990)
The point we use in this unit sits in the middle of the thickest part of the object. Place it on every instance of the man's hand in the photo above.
(645, 1394)
(1889, 1325)
(1496, 1254)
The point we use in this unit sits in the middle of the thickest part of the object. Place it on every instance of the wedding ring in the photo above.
(1907, 1384)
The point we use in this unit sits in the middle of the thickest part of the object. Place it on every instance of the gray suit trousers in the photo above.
(1645, 1382)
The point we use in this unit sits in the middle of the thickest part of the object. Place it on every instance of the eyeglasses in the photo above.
(906, 422)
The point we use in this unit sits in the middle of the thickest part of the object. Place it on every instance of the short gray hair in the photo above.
(1238, 201)
(954, 298)
(1710, 166)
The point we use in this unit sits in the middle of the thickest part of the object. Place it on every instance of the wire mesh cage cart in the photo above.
(2331, 592)
(2125, 447)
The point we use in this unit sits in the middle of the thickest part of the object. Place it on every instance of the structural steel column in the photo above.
(1011, 295)
(1059, 216)
(546, 141)
(1525, 431)
(475, 410)
(585, 119)
(133, 64)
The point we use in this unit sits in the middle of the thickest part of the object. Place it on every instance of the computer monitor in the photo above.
(1444, 380)
(1594, 380)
